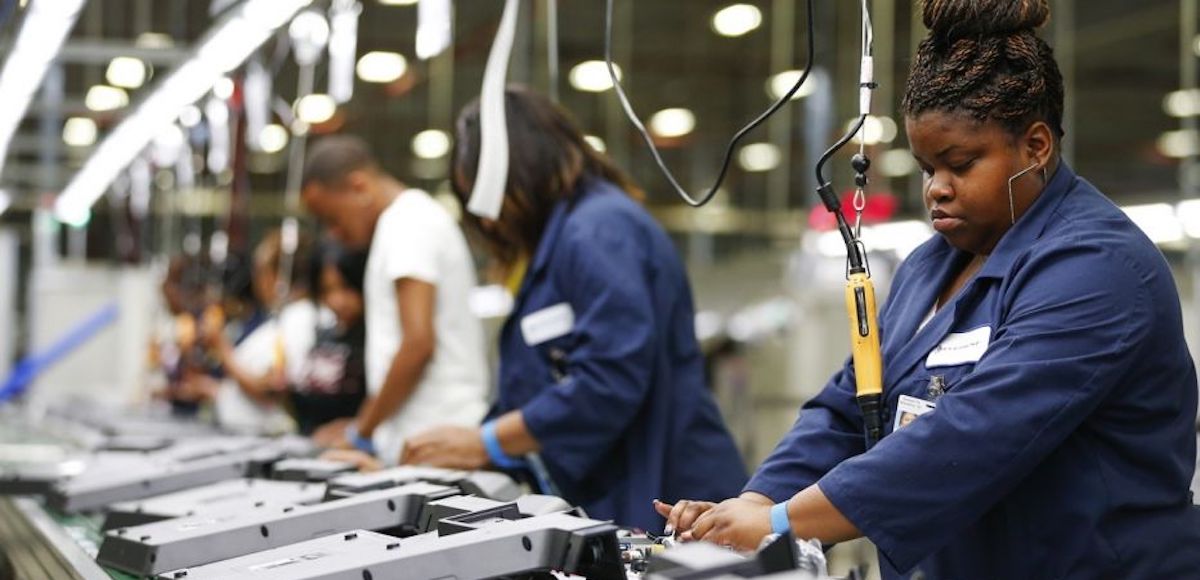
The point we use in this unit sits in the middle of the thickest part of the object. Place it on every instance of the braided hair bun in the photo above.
(983, 58)
(951, 20)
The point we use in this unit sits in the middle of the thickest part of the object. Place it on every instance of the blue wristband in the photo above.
(779, 519)
(495, 453)
(358, 441)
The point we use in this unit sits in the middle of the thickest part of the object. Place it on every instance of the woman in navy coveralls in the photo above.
(600, 371)
(1039, 337)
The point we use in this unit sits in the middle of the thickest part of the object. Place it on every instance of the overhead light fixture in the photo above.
(1157, 220)
(398, 2)
(309, 32)
(381, 67)
(875, 130)
(759, 157)
(273, 138)
(44, 27)
(316, 108)
(901, 237)
(672, 122)
(223, 89)
(431, 144)
(596, 143)
(592, 76)
(897, 163)
(190, 116)
(102, 98)
(343, 44)
(167, 146)
(126, 72)
(154, 40)
(779, 85)
(79, 132)
(435, 27)
(245, 28)
(1188, 212)
(1182, 103)
(737, 19)
(1179, 144)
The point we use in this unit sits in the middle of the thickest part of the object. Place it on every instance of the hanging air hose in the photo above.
(860, 292)
(737, 137)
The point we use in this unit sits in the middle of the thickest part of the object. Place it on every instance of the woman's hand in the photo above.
(450, 447)
(738, 523)
(682, 514)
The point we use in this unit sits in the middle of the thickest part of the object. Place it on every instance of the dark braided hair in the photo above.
(982, 58)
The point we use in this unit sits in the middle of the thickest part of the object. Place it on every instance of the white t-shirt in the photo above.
(416, 238)
(256, 355)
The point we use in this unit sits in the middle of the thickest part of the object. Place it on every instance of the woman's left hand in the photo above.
(736, 523)
(450, 447)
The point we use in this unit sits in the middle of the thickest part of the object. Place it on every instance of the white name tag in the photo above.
(960, 348)
(908, 409)
(548, 324)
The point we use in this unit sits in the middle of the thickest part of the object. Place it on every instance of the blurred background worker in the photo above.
(259, 369)
(425, 359)
(600, 372)
(332, 385)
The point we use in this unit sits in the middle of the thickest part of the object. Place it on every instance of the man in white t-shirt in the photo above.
(425, 357)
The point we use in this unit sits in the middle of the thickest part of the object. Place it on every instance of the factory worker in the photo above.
(1037, 338)
(425, 358)
(600, 371)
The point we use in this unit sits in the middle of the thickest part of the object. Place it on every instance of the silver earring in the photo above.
(1012, 208)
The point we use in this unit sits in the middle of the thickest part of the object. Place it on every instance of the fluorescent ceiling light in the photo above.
(779, 84)
(737, 19)
(315, 109)
(1179, 144)
(43, 30)
(592, 76)
(154, 40)
(759, 157)
(309, 32)
(190, 116)
(102, 98)
(126, 72)
(897, 163)
(1157, 220)
(222, 49)
(431, 144)
(223, 88)
(79, 132)
(875, 130)
(273, 138)
(672, 122)
(398, 2)
(381, 67)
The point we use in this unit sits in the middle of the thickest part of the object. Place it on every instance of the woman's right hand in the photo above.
(681, 515)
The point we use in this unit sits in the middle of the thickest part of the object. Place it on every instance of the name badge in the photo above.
(960, 348)
(908, 409)
(548, 324)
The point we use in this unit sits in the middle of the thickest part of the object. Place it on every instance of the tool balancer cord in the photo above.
(856, 253)
(728, 157)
